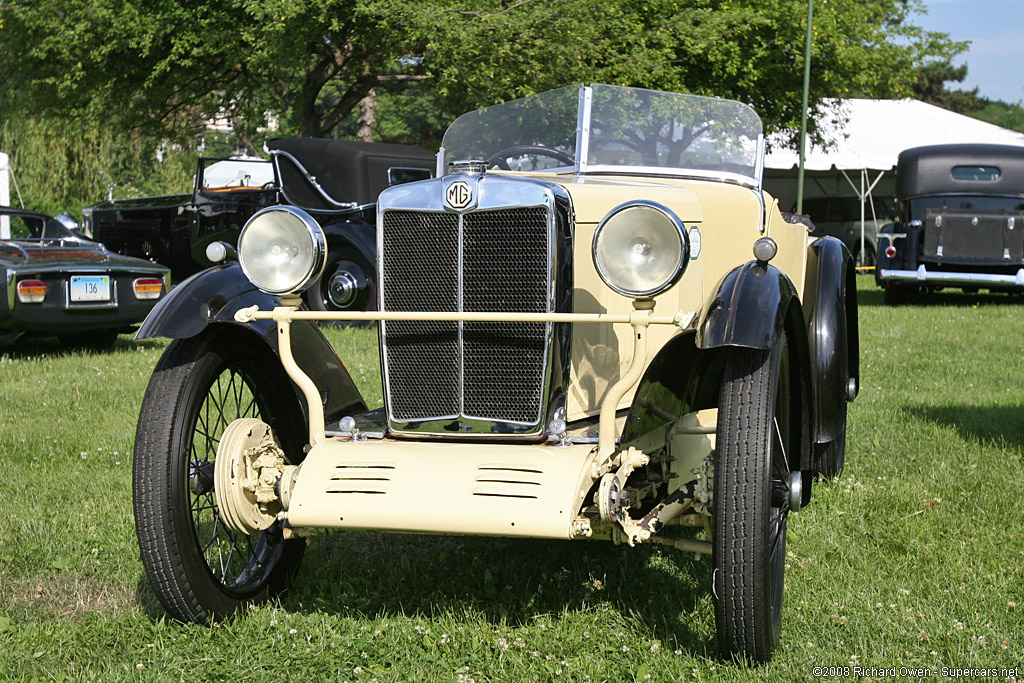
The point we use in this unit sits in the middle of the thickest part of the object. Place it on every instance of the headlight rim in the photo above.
(684, 253)
(318, 241)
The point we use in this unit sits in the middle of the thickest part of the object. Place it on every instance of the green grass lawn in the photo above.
(912, 558)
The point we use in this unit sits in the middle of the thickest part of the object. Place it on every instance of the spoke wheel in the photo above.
(751, 504)
(199, 568)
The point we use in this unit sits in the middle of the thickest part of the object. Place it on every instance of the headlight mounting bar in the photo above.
(641, 318)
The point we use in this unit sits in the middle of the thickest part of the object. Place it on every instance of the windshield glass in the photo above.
(612, 129)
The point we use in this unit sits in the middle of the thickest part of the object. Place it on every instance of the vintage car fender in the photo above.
(212, 296)
(357, 235)
(833, 333)
(751, 307)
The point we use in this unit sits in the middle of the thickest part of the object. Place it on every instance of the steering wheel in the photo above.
(501, 158)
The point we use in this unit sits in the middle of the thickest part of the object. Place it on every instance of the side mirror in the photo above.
(65, 219)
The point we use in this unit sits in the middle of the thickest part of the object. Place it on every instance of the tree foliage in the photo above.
(166, 67)
(931, 87)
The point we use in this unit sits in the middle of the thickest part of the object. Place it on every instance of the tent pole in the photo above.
(803, 108)
(863, 193)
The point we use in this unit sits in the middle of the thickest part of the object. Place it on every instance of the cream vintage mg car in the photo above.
(594, 325)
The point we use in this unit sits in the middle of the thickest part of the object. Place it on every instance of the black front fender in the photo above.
(211, 298)
(833, 335)
(752, 306)
(748, 309)
(344, 238)
(211, 295)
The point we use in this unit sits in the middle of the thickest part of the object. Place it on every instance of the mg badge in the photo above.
(459, 194)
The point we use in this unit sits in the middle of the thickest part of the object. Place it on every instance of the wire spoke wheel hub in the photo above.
(248, 466)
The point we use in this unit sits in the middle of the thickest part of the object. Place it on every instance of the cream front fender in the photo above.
(533, 491)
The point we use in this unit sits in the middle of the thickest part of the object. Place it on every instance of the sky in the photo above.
(995, 59)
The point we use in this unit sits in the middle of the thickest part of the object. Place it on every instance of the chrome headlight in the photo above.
(282, 250)
(641, 249)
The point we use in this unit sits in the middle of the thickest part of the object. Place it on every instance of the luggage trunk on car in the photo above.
(992, 239)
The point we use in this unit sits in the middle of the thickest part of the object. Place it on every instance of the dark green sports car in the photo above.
(54, 281)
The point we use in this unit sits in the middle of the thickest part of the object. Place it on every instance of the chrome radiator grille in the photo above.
(493, 260)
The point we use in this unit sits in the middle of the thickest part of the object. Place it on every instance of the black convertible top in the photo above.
(929, 170)
(347, 170)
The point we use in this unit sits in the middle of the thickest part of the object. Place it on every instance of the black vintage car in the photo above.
(53, 281)
(959, 223)
(337, 181)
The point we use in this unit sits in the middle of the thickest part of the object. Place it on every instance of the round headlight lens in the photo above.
(641, 249)
(282, 250)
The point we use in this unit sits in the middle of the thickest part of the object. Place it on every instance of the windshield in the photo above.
(613, 129)
(34, 226)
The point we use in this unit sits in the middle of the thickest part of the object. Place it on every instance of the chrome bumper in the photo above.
(923, 275)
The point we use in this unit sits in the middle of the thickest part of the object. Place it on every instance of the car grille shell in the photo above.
(467, 378)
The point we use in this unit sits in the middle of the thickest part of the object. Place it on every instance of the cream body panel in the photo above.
(728, 218)
(417, 486)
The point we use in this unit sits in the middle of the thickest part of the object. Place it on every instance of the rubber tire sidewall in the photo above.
(745, 624)
(170, 553)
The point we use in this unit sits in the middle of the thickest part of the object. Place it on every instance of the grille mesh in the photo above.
(505, 268)
(127, 234)
(420, 273)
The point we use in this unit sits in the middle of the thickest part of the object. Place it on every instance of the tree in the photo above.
(171, 65)
(749, 50)
(931, 87)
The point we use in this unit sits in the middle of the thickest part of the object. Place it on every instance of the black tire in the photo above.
(867, 258)
(834, 457)
(348, 284)
(199, 569)
(751, 488)
(97, 340)
(895, 295)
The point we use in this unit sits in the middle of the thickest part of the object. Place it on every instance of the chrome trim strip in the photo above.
(143, 269)
(759, 174)
(759, 162)
(14, 244)
(460, 342)
(583, 128)
(669, 172)
(922, 274)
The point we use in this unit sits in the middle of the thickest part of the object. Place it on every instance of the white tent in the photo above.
(866, 138)
(874, 132)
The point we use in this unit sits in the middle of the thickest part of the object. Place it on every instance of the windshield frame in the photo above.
(585, 139)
